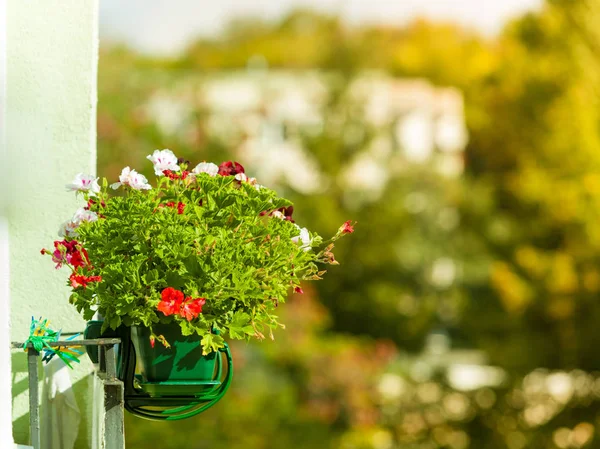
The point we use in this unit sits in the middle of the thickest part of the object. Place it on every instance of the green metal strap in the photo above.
(196, 404)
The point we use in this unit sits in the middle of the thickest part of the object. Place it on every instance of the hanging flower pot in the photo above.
(203, 256)
(181, 361)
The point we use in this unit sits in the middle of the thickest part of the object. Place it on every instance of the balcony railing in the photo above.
(112, 425)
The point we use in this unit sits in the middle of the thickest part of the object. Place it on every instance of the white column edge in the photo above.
(6, 438)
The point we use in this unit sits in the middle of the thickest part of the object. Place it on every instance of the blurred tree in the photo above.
(538, 145)
(504, 259)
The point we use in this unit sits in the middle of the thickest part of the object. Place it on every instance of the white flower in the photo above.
(82, 215)
(241, 177)
(278, 214)
(132, 179)
(163, 160)
(206, 167)
(69, 228)
(304, 237)
(84, 183)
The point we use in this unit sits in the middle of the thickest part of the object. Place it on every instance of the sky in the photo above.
(167, 26)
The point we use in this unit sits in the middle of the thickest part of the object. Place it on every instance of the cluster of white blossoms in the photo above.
(84, 183)
(163, 160)
(69, 227)
(133, 179)
(206, 167)
(304, 237)
(241, 177)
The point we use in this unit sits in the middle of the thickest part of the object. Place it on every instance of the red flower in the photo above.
(79, 258)
(180, 206)
(287, 213)
(230, 168)
(80, 280)
(152, 340)
(173, 175)
(71, 253)
(171, 301)
(347, 228)
(91, 202)
(299, 290)
(191, 308)
(170, 174)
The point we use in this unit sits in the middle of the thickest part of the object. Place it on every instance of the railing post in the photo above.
(114, 431)
(34, 397)
(113, 428)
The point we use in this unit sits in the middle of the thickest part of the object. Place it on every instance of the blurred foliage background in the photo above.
(465, 312)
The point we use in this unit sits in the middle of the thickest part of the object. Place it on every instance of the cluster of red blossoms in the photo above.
(80, 280)
(347, 228)
(180, 206)
(173, 175)
(71, 253)
(285, 213)
(173, 303)
(91, 202)
(230, 168)
(75, 255)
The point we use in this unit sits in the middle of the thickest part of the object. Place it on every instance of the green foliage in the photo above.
(211, 237)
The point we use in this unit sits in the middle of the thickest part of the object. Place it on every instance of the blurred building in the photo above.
(266, 113)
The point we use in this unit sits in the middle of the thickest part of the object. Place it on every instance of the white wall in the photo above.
(5, 393)
(50, 132)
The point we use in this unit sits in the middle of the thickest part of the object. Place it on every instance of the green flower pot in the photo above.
(183, 361)
(166, 383)
(93, 330)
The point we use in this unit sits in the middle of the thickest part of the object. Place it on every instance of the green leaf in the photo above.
(240, 327)
(115, 322)
(174, 280)
(211, 343)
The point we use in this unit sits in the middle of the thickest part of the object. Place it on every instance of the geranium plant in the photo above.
(209, 249)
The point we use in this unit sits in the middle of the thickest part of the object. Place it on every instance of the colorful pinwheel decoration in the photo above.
(40, 335)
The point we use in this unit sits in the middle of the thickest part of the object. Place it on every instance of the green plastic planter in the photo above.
(93, 330)
(180, 369)
(167, 383)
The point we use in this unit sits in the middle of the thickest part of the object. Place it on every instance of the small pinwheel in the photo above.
(40, 335)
